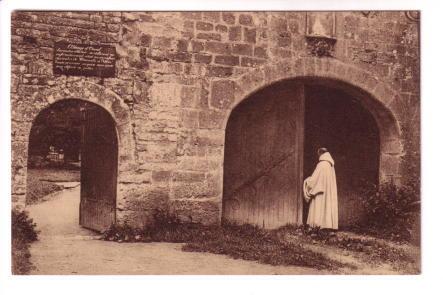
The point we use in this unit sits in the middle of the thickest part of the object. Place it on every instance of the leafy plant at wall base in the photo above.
(23, 232)
(390, 209)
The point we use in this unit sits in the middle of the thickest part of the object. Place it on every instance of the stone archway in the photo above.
(372, 94)
(27, 109)
(375, 95)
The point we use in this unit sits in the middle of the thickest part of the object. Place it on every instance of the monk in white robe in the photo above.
(320, 190)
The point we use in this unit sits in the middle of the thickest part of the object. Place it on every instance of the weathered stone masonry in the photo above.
(180, 74)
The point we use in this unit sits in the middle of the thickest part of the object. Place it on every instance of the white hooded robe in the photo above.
(321, 190)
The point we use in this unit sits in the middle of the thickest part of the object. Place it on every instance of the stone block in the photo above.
(219, 71)
(260, 52)
(284, 39)
(210, 138)
(209, 36)
(203, 58)
(222, 94)
(161, 42)
(205, 212)
(245, 19)
(228, 60)
(242, 49)
(228, 18)
(182, 45)
(203, 26)
(180, 57)
(194, 15)
(135, 177)
(157, 152)
(189, 97)
(279, 24)
(140, 92)
(161, 176)
(211, 16)
(221, 28)
(390, 165)
(165, 94)
(218, 48)
(19, 154)
(211, 120)
(188, 177)
(235, 33)
(281, 53)
(144, 198)
(197, 46)
(252, 81)
(251, 62)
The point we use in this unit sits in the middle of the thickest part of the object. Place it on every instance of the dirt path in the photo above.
(66, 248)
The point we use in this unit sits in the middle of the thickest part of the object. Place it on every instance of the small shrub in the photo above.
(23, 227)
(23, 232)
(122, 233)
(389, 210)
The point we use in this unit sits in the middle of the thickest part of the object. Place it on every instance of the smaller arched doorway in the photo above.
(77, 131)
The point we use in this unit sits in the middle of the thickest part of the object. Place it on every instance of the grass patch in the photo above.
(237, 241)
(23, 234)
(252, 243)
(40, 182)
(55, 175)
(395, 233)
(375, 251)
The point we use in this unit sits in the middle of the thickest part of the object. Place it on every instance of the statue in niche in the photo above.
(320, 24)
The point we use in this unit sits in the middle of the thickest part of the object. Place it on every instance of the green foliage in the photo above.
(122, 233)
(23, 233)
(240, 242)
(389, 210)
(23, 228)
(166, 227)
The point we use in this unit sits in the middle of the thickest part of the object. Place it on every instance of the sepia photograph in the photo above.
(215, 142)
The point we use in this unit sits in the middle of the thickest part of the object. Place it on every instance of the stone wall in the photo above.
(179, 75)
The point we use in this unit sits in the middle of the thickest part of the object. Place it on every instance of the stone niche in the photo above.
(320, 33)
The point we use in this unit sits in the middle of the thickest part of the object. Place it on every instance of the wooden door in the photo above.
(98, 169)
(263, 165)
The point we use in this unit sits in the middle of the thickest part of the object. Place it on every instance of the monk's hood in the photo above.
(326, 157)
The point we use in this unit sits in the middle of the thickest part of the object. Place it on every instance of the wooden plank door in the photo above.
(263, 165)
(98, 170)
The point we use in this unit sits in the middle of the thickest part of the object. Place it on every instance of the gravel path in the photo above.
(66, 248)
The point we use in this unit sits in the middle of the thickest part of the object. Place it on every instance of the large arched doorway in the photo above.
(72, 133)
(270, 145)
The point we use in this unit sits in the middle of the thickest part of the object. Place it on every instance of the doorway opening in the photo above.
(74, 143)
(338, 121)
(270, 147)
